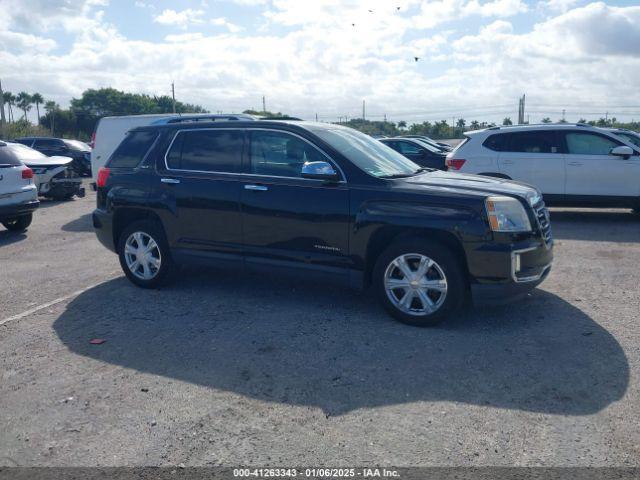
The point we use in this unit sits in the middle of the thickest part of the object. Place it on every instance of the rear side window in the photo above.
(583, 143)
(47, 142)
(538, 141)
(206, 151)
(497, 142)
(407, 148)
(132, 150)
(8, 157)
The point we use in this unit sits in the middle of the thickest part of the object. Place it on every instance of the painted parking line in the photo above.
(33, 310)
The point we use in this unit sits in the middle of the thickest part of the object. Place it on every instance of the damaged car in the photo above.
(54, 176)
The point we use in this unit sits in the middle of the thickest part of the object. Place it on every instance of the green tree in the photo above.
(546, 120)
(402, 124)
(50, 108)
(507, 121)
(10, 101)
(37, 99)
(475, 125)
(461, 123)
(23, 102)
(582, 120)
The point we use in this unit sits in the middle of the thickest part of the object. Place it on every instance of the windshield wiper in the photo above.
(406, 175)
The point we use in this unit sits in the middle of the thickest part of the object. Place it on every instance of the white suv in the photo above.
(18, 193)
(572, 164)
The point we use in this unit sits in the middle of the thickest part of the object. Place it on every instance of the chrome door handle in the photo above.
(256, 188)
(170, 180)
(575, 164)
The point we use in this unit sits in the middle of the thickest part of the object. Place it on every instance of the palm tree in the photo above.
(507, 121)
(37, 99)
(10, 100)
(475, 125)
(50, 107)
(546, 120)
(23, 101)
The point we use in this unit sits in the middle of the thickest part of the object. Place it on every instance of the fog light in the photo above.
(516, 262)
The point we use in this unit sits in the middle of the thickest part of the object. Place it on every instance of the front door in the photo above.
(593, 172)
(286, 217)
(199, 180)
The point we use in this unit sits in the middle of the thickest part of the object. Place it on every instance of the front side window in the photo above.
(280, 154)
(206, 151)
(133, 149)
(583, 143)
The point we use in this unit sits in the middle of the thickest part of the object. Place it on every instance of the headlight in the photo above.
(506, 214)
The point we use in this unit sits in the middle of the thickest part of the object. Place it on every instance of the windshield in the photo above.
(25, 153)
(77, 144)
(633, 138)
(366, 153)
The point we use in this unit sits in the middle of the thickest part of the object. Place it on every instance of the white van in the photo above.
(110, 131)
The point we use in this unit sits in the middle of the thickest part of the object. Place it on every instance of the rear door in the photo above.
(199, 184)
(534, 157)
(593, 171)
(287, 217)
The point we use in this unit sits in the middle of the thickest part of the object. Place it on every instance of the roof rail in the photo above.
(204, 118)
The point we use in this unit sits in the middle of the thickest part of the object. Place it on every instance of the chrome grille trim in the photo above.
(542, 217)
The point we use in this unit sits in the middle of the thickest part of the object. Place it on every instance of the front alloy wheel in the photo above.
(142, 255)
(415, 284)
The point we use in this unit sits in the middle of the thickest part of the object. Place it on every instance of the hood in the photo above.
(48, 162)
(471, 184)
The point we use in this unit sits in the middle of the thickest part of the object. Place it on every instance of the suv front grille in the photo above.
(542, 216)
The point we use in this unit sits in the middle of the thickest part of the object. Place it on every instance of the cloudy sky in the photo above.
(308, 57)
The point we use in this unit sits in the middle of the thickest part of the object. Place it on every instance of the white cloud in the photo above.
(223, 22)
(25, 42)
(179, 19)
(321, 63)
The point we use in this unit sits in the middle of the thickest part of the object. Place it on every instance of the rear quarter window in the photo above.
(133, 149)
(497, 142)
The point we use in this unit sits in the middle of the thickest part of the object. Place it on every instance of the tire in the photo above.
(446, 271)
(150, 276)
(18, 224)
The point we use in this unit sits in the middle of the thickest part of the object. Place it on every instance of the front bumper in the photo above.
(503, 271)
(18, 209)
(61, 187)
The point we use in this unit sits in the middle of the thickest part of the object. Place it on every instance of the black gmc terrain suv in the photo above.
(321, 197)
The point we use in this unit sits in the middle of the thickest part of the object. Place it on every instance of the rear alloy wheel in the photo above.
(18, 224)
(419, 282)
(144, 255)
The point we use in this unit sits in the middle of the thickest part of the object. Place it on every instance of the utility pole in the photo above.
(385, 118)
(1, 111)
(316, 117)
(173, 96)
(363, 117)
(264, 105)
(563, 113)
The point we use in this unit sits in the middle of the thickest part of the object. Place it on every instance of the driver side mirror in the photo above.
(319, 171)
(622, 151)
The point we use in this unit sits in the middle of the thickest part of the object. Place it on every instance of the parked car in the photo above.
(319, 198)
(417, 151)
(627, 135)
(18, 193)
(571, 164)
(111, 130)
(445, 147)
(54, 176)
(78, 151)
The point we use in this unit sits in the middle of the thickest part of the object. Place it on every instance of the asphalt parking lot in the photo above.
(227, 369)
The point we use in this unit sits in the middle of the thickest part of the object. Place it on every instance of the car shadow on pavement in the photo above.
(596, 225)
(80, 224)
(318, 345)
(7, 237)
